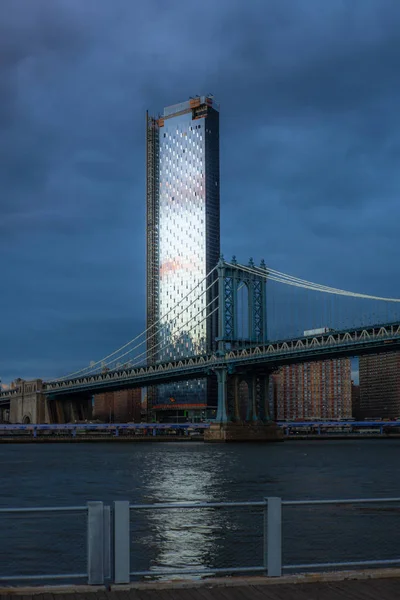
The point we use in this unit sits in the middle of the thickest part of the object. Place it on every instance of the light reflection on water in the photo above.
(69, 474)
(184, 538)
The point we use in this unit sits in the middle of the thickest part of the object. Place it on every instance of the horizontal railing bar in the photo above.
(30, 509)
(168, 505)
(196, 505)
(358, 563)
(188, 505)
(338, 501)
(41, 577)
(198, 571)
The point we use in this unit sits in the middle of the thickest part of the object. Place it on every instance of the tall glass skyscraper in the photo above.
(183, 245)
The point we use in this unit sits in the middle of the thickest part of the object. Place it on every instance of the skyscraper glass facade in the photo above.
(183, 241)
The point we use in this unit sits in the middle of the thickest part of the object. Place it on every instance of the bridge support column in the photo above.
(236, 407)
(252, 412)
(255, 400)
(222, 376)
(225, 429)
(264, 399)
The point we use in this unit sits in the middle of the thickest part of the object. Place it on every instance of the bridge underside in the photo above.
(70, 409)
(242, 375)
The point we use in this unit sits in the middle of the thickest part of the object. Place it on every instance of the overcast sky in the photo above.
(310, 150)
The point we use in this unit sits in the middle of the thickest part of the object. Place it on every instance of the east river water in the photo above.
(72, 474)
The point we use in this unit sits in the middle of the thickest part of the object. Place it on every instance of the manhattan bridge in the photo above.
(265, 320)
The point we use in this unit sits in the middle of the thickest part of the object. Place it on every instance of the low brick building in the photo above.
(313, 390)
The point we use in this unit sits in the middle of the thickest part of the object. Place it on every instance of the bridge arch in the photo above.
(242, 296)
(27, 419)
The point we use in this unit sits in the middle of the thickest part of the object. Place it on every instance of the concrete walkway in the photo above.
(383, 584)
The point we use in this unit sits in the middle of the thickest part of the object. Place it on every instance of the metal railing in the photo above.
(110, 533)
(98, 528)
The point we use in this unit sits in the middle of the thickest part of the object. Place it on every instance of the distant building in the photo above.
(355, 401)
(123, 406)
(183, 245)
(314, 390)
(380, 385)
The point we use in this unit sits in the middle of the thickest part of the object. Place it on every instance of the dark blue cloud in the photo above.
(310, 146)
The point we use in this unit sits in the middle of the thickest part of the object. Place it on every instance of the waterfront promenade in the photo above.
(164, 432)
(382, 584)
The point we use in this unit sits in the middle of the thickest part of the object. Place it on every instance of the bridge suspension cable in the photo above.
(169, 343)
(274, 275)
(120, 356)
(101, 362)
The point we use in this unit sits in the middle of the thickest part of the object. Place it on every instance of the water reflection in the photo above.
(68, 474)
(184, 538)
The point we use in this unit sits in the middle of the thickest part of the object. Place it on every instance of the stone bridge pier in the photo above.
(4, 414)
(243, 408)
(29, 404)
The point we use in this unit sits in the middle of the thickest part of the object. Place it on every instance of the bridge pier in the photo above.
(222, 377)
(252, 412)
(4, 414)
(228, 426)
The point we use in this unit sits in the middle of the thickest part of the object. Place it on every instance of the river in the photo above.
(72, 474)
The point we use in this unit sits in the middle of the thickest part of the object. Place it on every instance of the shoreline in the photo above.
(85, 439)
(81, 439)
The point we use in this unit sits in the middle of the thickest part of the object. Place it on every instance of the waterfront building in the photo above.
(355, 401)
(380, 386)
(122, 406)
(314, 390)
(183, 245)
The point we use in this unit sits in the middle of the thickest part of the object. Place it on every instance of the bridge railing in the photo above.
(123, 538)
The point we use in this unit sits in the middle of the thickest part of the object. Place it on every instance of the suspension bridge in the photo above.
(264, 319)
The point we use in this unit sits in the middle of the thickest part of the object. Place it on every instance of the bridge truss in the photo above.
(253, 295)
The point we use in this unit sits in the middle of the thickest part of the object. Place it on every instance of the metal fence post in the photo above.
(107, 542)
(95, 545)
(273, 536)
(121, 542)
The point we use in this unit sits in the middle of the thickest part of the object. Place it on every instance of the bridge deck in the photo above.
(256, 588)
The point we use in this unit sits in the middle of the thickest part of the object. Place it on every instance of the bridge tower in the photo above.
(230, 280)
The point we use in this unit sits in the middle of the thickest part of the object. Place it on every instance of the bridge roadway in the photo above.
(354, 342)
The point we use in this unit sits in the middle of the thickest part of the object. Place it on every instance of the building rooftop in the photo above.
(169, 111)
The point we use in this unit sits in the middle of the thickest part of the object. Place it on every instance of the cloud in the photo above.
(309, 98)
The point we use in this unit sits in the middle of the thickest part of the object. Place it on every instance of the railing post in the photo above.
(107, 542)
(95, 545)
(273, 537)
(121, 542)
